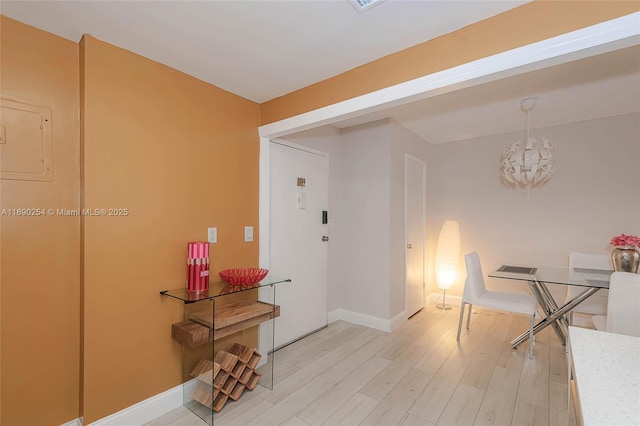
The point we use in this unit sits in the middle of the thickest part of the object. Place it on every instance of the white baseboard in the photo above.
(144, 411)
(370, 321)
(75, 422)
(333, 316)
(398, 320)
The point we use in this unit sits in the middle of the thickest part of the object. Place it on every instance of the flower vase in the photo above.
(626, 259)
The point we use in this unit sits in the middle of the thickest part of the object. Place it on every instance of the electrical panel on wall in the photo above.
(26, 150)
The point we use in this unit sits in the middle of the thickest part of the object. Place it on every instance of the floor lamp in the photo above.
(447, 256)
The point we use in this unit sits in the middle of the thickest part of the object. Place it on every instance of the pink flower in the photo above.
(623, 240)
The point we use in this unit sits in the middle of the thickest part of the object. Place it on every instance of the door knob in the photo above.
(325, 238)
(409, 246)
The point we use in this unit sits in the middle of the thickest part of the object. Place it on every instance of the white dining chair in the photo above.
(597, 303)
(475, 293)
(623, 308)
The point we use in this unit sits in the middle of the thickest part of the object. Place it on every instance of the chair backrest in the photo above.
(623, 309)
(600, 261)
(590, 261)
(474, 283)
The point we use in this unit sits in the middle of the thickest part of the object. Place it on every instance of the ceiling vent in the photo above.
(362, 6)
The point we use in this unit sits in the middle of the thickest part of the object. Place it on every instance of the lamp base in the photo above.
(443, 306)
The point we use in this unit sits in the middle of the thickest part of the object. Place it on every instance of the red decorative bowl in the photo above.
(243, 276)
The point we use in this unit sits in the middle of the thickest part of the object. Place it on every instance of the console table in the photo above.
(220, 341)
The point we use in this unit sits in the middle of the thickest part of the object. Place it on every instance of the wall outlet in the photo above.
(212, 235)
(248, 233)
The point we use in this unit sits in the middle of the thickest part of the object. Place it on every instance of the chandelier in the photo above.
(530, 163)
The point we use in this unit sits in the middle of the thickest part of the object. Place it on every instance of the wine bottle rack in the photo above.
(231, 372)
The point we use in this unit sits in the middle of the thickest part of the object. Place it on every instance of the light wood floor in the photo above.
(418, 375)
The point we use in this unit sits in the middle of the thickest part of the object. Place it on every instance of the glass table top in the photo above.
(556, 275)
(220, 288)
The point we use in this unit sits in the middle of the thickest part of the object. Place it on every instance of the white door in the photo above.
(415, 180)
(299, 193)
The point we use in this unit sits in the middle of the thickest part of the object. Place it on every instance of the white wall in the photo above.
(593, 195)
(364, 218)
(403, 142)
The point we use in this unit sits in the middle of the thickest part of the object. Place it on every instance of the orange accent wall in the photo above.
(40, 262)
(532, 22)
(180, 155)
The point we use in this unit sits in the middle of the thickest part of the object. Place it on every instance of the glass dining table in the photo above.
(591, 280)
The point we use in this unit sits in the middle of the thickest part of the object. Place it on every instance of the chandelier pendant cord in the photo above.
(524, 150)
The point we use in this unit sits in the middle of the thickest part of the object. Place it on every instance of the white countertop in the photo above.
(607, 376)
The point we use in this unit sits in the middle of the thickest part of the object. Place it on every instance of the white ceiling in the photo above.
(264, 49)
(257, 49)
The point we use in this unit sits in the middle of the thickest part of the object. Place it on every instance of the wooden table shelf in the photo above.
(203, 327)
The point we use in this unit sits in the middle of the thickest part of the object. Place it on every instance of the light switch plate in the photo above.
(301, 200)
(248, 233)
